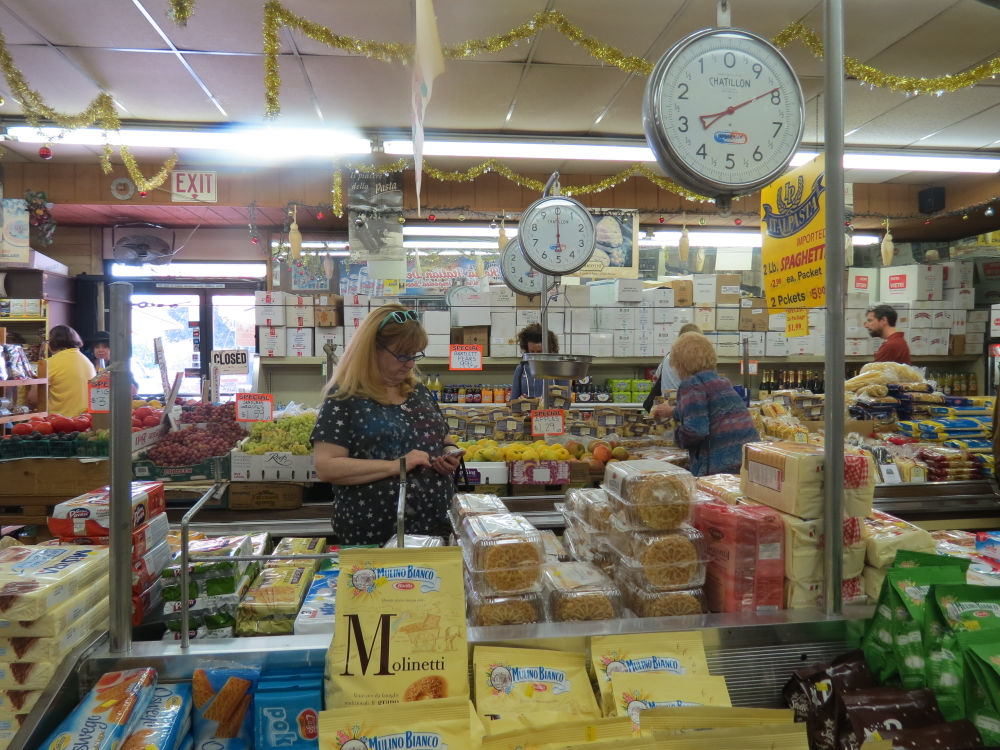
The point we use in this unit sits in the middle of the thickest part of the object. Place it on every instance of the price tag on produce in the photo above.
(796, 323)
(99, 394)
(254, 407)
(231, 361)
(465, 357)
(548, 421)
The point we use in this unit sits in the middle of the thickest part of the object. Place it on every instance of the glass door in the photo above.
(175, 319)
(233, 328)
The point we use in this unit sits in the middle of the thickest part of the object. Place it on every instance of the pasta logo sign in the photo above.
(368, 579)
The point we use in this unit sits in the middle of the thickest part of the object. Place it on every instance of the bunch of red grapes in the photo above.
(195, 444)
(206, 413)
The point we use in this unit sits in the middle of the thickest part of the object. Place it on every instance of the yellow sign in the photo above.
(797, 323)
(793, 212)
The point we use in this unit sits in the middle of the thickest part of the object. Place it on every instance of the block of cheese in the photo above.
(805, 594)
(723, 487)
(33, 580)
(887, 534)
(14, 703)
(804, 544)
(54, 648)
(59, 618)
(746, 556)
(785, 476)
(871, 581)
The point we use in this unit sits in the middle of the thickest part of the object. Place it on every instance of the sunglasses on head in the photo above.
(397, 316)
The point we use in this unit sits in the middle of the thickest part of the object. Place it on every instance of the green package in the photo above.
(909, 559)
(951, 610)
(981, 654)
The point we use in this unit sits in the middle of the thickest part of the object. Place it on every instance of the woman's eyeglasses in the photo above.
(398, 316)
(402, 358)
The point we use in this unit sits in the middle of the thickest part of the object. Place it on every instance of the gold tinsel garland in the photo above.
(492, 165)
(180, 11)
(874, 77)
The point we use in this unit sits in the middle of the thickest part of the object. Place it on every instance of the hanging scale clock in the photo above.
(556, 233)
(518, 274)
(723, 113)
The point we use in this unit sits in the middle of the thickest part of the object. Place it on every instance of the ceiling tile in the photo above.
(91, 23)
(550, 100)
(975, 132)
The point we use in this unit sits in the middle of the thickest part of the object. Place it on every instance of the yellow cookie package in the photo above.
(634, 693)
(513, 684)
(438, 724)
(400, 633)
(674, 653)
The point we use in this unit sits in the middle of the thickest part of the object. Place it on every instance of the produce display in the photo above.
(196, 444)
(288, 434)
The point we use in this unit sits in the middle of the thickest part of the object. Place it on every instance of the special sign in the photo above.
(793, 210)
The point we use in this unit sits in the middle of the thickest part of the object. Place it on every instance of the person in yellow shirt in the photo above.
(68, 371)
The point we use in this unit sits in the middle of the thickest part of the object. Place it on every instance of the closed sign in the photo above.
(231, 361)
(188, 186)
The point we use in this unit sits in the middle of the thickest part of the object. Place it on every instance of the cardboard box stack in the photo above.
(290, 325)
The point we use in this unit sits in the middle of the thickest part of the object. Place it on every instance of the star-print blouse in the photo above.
(366, 513)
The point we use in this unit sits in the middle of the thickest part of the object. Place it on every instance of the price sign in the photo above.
(231, 361)
(548, 421)
(465, 357)
(161, 363)
(99, 394)
(796, 323)
(254, 407)
(752, 366)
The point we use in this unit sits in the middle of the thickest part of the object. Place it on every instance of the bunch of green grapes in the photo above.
(288, 434)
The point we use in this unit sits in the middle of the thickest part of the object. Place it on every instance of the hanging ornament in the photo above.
(738, 221)
(932, 256)
(848, 249)
(988, 213)
(684, 246)
(328, 266)
(662, 220)
(702, 221)
(401, 219)
(45, 152)
(319, 214)
(502, 237)
(965, 217)
(461, 217)
(294, 235)
(416, 263)
(888, 248)
(143, 193)
(431, 217)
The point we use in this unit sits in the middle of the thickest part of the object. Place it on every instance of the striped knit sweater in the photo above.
(713, 424)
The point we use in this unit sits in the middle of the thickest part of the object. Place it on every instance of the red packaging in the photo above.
(90, 514)
(147, 602)
(746, 565)
(147, 569)
(144, 538)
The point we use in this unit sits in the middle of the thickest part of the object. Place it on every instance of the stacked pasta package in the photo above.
(789, 477)
(215, 586)
(86, 519)
(272, 602)
(746, 547)
(51, 599)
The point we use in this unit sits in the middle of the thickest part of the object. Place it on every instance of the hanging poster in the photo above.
(616, 255)
(14, 240)
(793, 210)
(375, 205)
(434, 275)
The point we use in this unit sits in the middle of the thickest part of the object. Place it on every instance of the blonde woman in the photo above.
(713, 422)
(376, 411)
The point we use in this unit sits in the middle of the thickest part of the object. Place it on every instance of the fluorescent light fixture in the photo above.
(314, 244)
(902, 162)
(190, 270)
(265, 144)
(451, 244)
(670, 238)
(518, 149)
(457, 231)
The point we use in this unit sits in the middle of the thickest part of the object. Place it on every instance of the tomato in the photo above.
(136, 422)
(80, 424)
(22, 428)
(150, 421)
(142, 412)
(44, 428)
(62, 424)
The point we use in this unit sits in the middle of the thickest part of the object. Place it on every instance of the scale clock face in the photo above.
(723, 112)
(556, 235)
(459, 296)
(518, 274)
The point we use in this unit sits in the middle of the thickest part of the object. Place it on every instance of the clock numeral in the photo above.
(534, 242)
(581, 243)
(729, 60)
(777, 128)
(684, 91)
(701, 62)
(757, 69)
(701, 151)
(558, 257)
(579, 228)
(757, 155)
(776, 97)
(730, 161)
(534, 225)
(684, 124)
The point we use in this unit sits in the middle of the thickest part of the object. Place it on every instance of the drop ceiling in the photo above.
(211, 72)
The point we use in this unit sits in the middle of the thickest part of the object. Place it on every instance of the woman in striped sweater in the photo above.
(713, 422)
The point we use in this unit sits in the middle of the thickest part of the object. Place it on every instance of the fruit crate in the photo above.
(91, 448)
(146, 469)
(10, 449)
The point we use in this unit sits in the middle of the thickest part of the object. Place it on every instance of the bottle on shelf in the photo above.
(973, 387)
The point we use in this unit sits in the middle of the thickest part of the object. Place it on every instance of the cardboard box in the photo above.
(958, 274)
(659, 297)
(437, 322)
(920, 319)
(909, 283)
(755, 343)
(753, 314)
(704, 318)
(299, 342)
(683, 292)
(602, 344)
(539, 472)
(727, 288)
(728, 345)
(146, 470)
(354, 316)
(472, 335)
(975, 326)
(777, 322)
(862, 281)
(328, 310)
(271, 341)
(487, 472)
(300, 316)
(505, 350)
(705, 289)
(269, 315)
(775, 344)
(322, 335)
(264, 496)
(578, 343)
(617, 318)
(526, 317)
(501, 297)
(943, 319)
(269, 298)
(613, 292)
(960, 299)
(521, 300)
(623, 344)
(277, 466)
(437, 344)
(956, 345)
(727, 318)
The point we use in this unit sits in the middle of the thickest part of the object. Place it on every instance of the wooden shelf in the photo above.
(292, 360)
(23, 417)
(19, 383)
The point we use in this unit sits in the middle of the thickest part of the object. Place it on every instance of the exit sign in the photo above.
(187, 186)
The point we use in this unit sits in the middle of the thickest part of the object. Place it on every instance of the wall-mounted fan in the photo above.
(143, 243)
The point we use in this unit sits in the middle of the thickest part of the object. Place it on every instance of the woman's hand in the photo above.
(415, 459)
(662, 411)
(447, 462)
